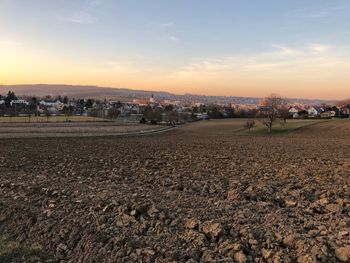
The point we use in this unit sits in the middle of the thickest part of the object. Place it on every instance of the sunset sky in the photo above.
(296, 48)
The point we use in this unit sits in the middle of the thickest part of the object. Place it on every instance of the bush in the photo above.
(250, 124)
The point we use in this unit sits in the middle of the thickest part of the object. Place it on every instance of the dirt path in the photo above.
(35, 130)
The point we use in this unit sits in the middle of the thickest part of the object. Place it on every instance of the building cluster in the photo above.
(153, 110)
(136, 110)
(324, 111)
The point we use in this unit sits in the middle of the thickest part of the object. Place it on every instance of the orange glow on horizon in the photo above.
(18, 65)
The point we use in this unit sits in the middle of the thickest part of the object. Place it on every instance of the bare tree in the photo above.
(284, 110)
(94, 112)
(28, 112)
(270, 111)
(47, 114)
(249, 124)
(68, 111)
(12, 113)
(113, 113)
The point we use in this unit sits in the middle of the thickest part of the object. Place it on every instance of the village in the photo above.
(151, 110)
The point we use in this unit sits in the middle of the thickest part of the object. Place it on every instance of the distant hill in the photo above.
(83, 92)
(42, 90)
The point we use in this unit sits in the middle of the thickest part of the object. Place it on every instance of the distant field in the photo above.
(73, 129)
(280, 127)
(77, 126)
(331, 129)
(41, 119)
(237, 127)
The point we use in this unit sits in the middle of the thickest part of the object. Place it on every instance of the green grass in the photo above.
(11, 251)
(39, 119)
(279, 127)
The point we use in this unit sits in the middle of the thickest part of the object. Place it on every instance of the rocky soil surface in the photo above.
(184, 196)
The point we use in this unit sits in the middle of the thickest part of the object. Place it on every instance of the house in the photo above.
(335, 111)
(314, 111)
(295, 115)
(303, 114)
(2, 102)
(294, 111)
(141, 102)
(19, 102)
(345, 110)
(125, 108)
(326, 114)
(57, 105)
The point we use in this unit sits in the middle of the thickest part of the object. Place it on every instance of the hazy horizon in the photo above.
(297, 49)
(145, 90)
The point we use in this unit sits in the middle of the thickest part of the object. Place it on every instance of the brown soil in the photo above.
(189, 195)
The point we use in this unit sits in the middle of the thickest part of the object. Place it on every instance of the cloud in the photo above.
(307, 14)
(166, 31)
(320, 14)
(94, 3)
(119, 66)
(311, 61)
(167, 25)
(4, 41)
(85, 15)
(80, 17)
(173, 38)
(318, 48)
(341, 7)
(287, 51)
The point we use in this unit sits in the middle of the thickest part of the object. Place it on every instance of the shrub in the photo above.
(250, 124)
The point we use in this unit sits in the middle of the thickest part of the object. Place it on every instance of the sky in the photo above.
(295, 48)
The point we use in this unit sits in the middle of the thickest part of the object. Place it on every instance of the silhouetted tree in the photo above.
(33, 103)
(94, 113)
(152, 114)
(117, 105)
(113, 113)
(89, 103)
(143, 120)
(29, 113)
(230, 112)
(215, 113)
(10, 96)
(68, 111)
(59, 98)
(169, 107)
